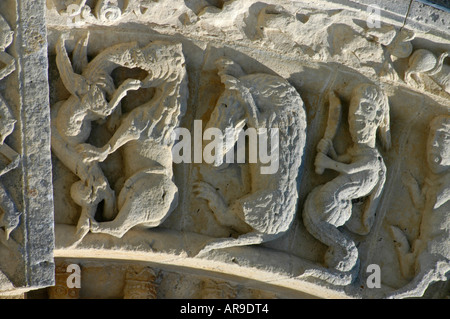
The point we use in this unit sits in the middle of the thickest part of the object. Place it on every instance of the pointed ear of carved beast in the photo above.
(229, 72)
(227, 68)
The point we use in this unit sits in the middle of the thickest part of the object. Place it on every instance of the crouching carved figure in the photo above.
(427, 260)
(362, 174)
(148, 194)
(259, 101)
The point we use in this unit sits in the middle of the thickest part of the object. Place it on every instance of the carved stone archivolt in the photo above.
(225, 149)
(347, 108)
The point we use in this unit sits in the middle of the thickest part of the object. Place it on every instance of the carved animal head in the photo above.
(438, 145)
(163, 60)
(369, 112)
(229, 117)
(235, 107)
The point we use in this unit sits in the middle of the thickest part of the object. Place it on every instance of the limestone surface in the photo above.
(225, 149)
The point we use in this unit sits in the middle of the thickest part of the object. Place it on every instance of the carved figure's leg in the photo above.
(342, 253)
(106, 193)
(145, 201)
(72, 160)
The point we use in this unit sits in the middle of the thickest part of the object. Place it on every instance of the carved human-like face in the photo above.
(229, 117)
(364, 117)
(438, 149)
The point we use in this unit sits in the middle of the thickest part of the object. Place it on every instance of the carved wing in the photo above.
(74, 83)
(79, 55)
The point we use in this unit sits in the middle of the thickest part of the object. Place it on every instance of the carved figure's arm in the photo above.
(121, 92)
(325, 146)
(225, 215)
(324, 161)
(130, 129)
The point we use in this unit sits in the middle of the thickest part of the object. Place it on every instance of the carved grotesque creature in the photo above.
(362, 174)
(146, 131)
(427, 260)
(258, 101)
(145, 136)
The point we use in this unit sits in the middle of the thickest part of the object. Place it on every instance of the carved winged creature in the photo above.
(93, 97)
(144, 135)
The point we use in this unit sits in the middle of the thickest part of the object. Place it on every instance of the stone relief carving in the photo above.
(10, 158)
(352, 183)
(362, 174)
(424, 63)
(258, 101)
(427, 260)
(144, 134)
(101, 11)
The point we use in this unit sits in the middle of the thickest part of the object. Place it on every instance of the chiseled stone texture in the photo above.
(358, 91)
(27, 193)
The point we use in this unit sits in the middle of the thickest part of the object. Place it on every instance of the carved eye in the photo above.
(367, 106)
(224, 105)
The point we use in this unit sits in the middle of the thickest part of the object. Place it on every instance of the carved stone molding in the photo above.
(26, 185)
